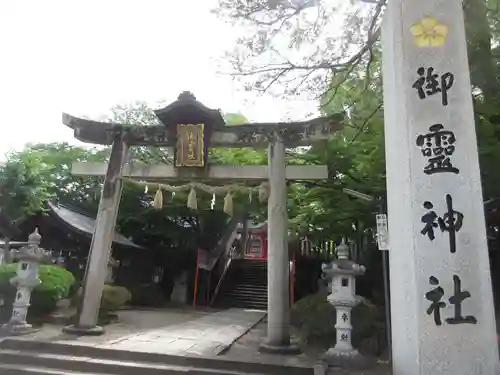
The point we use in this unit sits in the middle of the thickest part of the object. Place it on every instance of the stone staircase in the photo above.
(245, 285)
(26, 357)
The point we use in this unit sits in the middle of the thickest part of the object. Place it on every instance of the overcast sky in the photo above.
(84, 56)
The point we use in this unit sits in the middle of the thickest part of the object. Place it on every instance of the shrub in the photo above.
(147, 295)
(315, 319)
(55, 284)
(114, 298)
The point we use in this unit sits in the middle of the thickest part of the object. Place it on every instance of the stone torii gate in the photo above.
(191, 128)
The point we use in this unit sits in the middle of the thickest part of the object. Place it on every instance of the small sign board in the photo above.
(382, 232)
(190, 148)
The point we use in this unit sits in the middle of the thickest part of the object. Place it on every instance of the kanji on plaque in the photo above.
(190, 148)
(438, 146)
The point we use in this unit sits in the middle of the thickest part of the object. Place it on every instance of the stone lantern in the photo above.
(340, 275)
(112, 265)
(29, 258)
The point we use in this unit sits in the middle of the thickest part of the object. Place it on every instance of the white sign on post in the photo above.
(382, 232)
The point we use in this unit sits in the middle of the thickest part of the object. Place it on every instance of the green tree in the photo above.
(297, 46)
(41, 172)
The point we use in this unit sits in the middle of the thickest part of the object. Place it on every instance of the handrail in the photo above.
(219, 283)
(230, 244)
(292, 279)
(221, 246)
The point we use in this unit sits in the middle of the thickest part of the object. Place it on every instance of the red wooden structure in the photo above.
(256, 247)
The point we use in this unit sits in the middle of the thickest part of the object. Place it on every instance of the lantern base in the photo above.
(17, 329)
(289, 349)
(84, 331)
(346, 358)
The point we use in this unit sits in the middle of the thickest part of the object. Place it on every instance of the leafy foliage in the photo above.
(114, 297)
(55, 284)
(288, 47)
(297, 46)
(43, 171)
(315, 318)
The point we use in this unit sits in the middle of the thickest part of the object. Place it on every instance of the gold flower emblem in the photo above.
(428, 32)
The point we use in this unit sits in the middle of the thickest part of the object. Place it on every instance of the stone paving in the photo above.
(247, 348)
(233, 334)
(130, 322)
(176, 332)
(206, 336)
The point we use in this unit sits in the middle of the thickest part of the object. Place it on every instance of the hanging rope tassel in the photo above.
(158, 201)
(192, 202)
(263, 192)
(228, 204)
(212, 203)
(146, 189)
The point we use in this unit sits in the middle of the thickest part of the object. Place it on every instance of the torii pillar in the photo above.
(442, 312)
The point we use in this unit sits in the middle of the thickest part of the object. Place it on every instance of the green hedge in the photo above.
(56, 283)
(315, 319)
(114, 298)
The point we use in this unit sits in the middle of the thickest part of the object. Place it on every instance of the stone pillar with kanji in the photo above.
(441, 298)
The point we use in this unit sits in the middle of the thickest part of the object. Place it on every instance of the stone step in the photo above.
(250, 299)
(249, 281)
(241, 297)
(244, 303)
(51, 362)
(37, 357)
(258, 297)
(257, 268)
(251, 276)
(25, 370)
(244, 297)
(252, 273)
(250, 295)
(247, 304)
(250, 305)
(249, 290)
(250, 262)
(260, 271)
(246, 285)
(250, 287)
